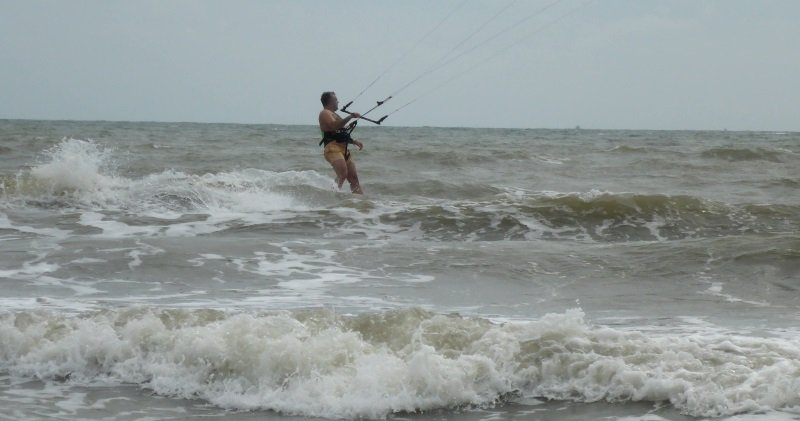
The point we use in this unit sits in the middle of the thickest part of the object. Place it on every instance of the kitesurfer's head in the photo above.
(329, 100)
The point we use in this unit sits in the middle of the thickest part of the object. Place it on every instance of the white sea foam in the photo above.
(303, 275)
(111, 228)
(87, 260)
(549, 159)
(6, 223)
(142, 250)
(201, 261)
(70, 306)
(716, 288)
(30, 270)
(315, 363)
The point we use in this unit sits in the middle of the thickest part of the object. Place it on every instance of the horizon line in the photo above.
(576, 128)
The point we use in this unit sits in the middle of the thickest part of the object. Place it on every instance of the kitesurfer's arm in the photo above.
(330, 122)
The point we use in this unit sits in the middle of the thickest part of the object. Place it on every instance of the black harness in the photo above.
(339, 136)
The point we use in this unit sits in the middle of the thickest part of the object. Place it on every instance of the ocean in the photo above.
(180, 270)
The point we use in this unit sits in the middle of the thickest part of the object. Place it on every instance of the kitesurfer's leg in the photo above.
(341, 168)
(352, 177)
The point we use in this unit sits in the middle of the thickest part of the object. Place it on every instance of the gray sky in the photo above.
(613, 64)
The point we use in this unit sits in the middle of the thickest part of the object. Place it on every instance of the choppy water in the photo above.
(164, 271)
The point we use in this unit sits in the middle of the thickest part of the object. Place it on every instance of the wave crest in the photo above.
(81, 174)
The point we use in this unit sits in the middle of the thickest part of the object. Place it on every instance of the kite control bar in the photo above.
(379, 103)
(378, 121)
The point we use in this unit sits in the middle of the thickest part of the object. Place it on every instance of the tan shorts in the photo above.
(335, 151)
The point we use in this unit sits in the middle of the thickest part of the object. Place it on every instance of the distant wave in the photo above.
(786, 182)
(598, 216)
(745, 154)
(628, 149)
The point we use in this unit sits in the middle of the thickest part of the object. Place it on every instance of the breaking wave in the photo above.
(316, 363)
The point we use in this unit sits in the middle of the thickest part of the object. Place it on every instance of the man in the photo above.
(336, 138)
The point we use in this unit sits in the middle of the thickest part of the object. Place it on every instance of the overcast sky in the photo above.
(612, 64)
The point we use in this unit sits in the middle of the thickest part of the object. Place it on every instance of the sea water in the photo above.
(175, 270)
